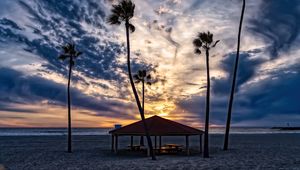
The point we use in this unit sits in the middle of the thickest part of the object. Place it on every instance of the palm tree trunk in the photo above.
(225, 147)
(143, 93)
(69, 109)
(206, 142)
(135, 93)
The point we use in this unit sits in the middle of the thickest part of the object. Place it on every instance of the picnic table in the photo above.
(171, 148)
(136, 147)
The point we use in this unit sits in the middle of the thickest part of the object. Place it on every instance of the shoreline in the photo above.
(104, 131)
(211, 134)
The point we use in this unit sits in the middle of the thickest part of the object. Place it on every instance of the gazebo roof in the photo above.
(157, 126)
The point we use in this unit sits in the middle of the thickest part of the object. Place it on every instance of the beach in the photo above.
(247, 151)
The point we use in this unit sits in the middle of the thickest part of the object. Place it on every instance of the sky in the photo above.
(33, 80)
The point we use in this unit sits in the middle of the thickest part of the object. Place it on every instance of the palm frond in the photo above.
(117, 10)
(72, 46)
(136, 77)
(197, 43)
(113, 20)
(65, 49)
(72, 50)
(209, 37)
(197, 51)
(202, 36)
(123, 11)
(63, 57)
(78, 53)
(69, 51)
(131, 28)
(140, 73)
(128, 8)
(148, 76)
(202, 87)
(206, 37)
(215, 43)
(144, 73)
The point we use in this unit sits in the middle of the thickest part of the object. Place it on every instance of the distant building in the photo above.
(117, 126)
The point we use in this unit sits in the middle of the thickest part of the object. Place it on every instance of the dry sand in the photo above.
(264, 151)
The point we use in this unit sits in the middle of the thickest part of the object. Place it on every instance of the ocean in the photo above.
(104, 131)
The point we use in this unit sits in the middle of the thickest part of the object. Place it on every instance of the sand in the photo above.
(263, 151)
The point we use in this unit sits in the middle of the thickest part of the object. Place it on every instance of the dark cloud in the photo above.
(18, 88)
(99, 59)
(100, 55)
(10, 23)
(278, 23)
(277, 95)
(246, 70)
(64, 26)
(196, 105)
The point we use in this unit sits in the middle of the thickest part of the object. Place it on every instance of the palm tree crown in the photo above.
(142, 76)
(204, 40)
(69, 52)
(122, 12)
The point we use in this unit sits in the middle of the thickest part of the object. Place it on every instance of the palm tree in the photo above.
(205, 41)
(142, 77)
(123, 12)
(70, 53)
(225, 147)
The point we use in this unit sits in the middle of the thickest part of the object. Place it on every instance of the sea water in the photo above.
(104, 131)
(51, 131)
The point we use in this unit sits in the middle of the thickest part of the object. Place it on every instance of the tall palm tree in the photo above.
(69, 53)
(205, 41)
(142, 77)
(225, 147)
(123, 12)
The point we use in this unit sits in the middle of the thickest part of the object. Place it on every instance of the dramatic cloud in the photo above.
(31, 76)
(18, 88)
(278, 24)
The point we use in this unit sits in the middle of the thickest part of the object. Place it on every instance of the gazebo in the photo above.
(157, 127)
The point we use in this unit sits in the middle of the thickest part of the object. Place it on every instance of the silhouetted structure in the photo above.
(158, 127)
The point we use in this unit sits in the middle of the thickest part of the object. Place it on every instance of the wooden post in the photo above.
(131, 142)
(112, 142)
(159, 142)
(155, 145)
(148, 151)
(200, 142)
(187, 145)
(142, 141)
(116, 144)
